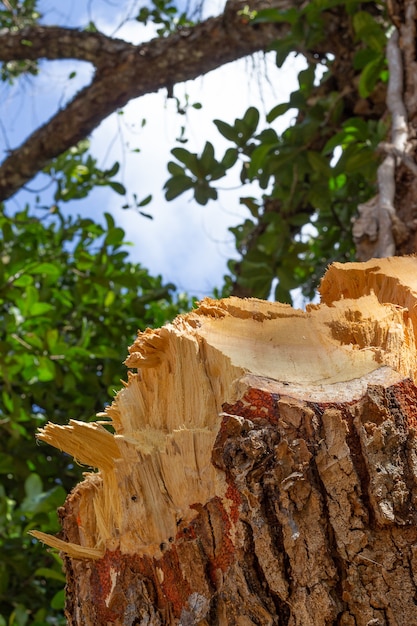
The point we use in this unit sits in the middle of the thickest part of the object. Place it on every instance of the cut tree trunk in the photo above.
(259, 467)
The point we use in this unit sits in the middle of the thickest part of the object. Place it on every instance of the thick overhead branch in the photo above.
(54, 42)
(123, 72)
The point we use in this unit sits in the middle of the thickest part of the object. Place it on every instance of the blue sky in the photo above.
(186, 243)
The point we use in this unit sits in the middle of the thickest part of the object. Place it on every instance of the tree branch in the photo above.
(378, 226)
(124, 72)
(54, 42)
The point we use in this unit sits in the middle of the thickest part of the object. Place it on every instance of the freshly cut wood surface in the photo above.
(256, 452)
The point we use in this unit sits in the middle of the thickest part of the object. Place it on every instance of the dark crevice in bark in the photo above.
(358, 460)
(267, 505)
(212, 616)
(337, 591)
(401, 423)
(255, 577)
(355, 449)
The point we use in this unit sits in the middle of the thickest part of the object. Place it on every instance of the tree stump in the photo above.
(259, 467)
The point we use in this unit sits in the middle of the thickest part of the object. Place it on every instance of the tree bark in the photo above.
(260, 467)
(124, 72)
(387, 223)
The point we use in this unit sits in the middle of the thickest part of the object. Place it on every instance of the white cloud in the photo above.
(185, 242)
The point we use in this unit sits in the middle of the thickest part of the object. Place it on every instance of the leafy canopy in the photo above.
(70, 304)
(312, 177)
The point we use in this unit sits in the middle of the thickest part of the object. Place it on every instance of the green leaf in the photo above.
(175, 169)
(370, 76)
(7, 401)
(46, 572)
(369, 31)
(23, 281)
(115, 237)
(275, 15)
(229, 158)
(176, 185)
(36, 503)
(337, 182)
(282, 295)
(185, 156)
(19, 616)
(109, 299)
(40, 308)
(258, 158)
(33, 485)
(46, 369)
(109, 221)
(251, 119)
(358, 159)
(283, 49)
(27, 303)
(117, 187)
(145, 201)
(207, 159)
(306, 79)
(319, 163)
(52, 339)
(113, 170)
(277, 111)
(91, 27)
(47, 269)
(229, 132)
(58, 601)
(363, 57)
(362, 21)
(334, 142)
(203, 193)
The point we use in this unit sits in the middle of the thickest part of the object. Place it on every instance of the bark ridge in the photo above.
(259, 467)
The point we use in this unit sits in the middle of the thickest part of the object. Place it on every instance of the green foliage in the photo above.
(369, 59)
(311, 177)
(203, 170)
(165, 14)
(13, 17)
(70, 304)
(75, 173)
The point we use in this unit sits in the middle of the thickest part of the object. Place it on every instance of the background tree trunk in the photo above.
(263, 466)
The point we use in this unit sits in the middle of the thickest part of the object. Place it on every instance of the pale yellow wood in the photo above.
(166, 419)
(72, 549)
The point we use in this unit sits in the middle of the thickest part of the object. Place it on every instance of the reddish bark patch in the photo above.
(233, 494)
(256, 404)
(405, 392)
(174, 587)
(102, 584)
